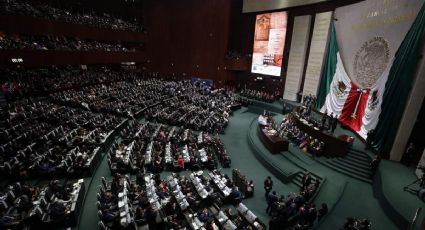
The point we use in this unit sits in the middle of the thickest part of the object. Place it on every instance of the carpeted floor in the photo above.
(356, 198)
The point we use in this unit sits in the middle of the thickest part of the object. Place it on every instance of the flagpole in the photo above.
(354, 114)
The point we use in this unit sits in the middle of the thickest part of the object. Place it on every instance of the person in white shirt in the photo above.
(262, 120)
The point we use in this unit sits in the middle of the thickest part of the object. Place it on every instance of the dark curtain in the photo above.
(398, 85)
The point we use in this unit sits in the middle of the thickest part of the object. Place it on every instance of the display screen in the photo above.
(269, 42)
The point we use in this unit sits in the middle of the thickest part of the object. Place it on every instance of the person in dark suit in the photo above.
(268, 186)
(271, 202)
(306, 180)
(334, 123)
(204, 215)
(330, 121)
(323, 121)
(375, 164)
(57, 210)
(409, 154)
(369, 138)
(236, 194)
(322, 211)
(312, 214)
(284, 108)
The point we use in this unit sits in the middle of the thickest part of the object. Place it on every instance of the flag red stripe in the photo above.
(346, 117)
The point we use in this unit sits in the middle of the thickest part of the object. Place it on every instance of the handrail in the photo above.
(415, 217)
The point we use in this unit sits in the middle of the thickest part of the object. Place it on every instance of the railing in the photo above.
(415, 218)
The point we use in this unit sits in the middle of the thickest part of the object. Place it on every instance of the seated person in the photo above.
(108, 199)
(57, 210)
(236, 194)
(180, 161)
(204, 215)
(175, 222)
(109, 216)
(262, 120)
(305, 145)
(229, 213)
(250, 188)
(210, 225)
(8, 220)
(171, 208)
(140, 215)
(226, 161)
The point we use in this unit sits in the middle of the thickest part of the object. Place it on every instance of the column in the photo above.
(317, 52)
(297, 55)
(413, 106)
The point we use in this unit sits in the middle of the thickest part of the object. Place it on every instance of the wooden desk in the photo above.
(335, 146)
(275, 144)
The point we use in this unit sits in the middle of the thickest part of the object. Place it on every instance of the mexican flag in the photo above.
(356, 106)
(376, 97)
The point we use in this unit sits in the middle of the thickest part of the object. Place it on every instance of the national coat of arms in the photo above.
(370, 61)
(339, 89)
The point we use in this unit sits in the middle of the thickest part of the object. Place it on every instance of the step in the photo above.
(325, 162)
(362, 166)
(297, 182)
(358, 151)
(362, 177)
(298, 179)
(357, 157)
(298, 153)
(350, 169)
(293, 159)
(360, 154)
(353, 159)
(271, 162)
(353, 167)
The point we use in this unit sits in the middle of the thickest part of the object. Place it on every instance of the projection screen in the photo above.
(269, 42)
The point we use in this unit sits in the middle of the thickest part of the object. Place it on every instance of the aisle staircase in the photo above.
(298, 179)
(3, 101)
(356, 165)
(3, 104)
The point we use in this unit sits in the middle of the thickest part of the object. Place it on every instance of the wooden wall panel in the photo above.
(30, 25)
(188, 37)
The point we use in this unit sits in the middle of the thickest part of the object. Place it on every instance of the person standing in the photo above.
(271, 203)
(330, 121)
(323, 121)
(284, 108)
(268, 186)
(369, 138)
(409, 154)
(334, 123)
(375, 164)
(322, 211)
(306, 180)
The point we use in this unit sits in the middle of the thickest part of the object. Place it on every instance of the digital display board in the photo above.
(269, 42)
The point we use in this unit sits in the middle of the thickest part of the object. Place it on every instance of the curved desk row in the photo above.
(335, 146)
(275, 144)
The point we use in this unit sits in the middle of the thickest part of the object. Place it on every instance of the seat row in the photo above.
(157, 147)
(176, 202)
(57, 204)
